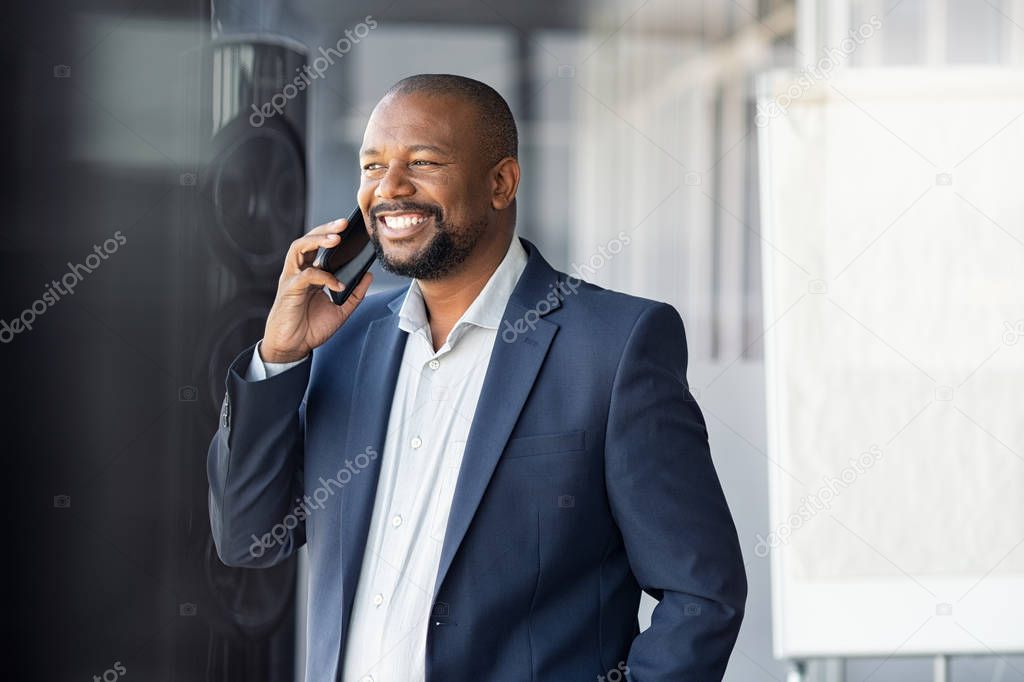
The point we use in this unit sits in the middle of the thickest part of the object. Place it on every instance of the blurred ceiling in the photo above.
(709, 18)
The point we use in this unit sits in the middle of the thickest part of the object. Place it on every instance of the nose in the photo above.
(395, 183)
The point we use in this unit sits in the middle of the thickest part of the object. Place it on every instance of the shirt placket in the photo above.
(406, 572)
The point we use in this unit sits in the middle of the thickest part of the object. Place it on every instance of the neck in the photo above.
(448, 298)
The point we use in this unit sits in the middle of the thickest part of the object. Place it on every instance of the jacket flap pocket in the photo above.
(525, 446)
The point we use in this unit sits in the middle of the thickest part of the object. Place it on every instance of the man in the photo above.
(488, 465)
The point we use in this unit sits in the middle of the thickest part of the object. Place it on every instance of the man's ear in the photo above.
(504, 183)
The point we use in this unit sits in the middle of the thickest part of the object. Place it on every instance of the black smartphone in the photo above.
(350, 259)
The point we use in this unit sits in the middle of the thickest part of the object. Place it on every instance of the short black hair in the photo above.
(497, 126)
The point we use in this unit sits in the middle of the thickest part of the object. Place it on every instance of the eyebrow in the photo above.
(412, 148)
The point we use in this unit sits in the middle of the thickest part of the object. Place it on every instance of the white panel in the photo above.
(902, 351)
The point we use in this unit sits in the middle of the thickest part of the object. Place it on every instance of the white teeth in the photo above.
(401, 222)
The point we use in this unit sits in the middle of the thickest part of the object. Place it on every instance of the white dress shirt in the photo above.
(435, 399)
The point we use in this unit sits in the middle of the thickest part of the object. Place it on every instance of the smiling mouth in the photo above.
(403, 221)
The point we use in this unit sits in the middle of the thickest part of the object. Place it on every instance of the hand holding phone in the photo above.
(302, 318)
(348, 260)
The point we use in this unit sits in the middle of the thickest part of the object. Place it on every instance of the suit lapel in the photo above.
(515, 361)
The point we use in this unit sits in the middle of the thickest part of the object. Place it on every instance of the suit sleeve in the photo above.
(254, 465)
(666, 498)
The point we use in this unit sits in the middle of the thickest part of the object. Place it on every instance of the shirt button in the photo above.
(434, 364)
(396, 520)
(378, 599)
(416, 442)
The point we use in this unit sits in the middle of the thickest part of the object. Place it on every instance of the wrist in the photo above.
(269, 354)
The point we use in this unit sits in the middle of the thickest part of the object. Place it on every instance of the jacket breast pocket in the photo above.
(543, 444)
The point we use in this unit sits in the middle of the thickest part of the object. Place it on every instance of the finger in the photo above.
(312, 278)
(332, 227)
(303, 250)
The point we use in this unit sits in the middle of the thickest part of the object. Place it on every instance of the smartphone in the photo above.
(350, 259)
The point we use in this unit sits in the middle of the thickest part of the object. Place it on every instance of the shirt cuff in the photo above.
(259, 369)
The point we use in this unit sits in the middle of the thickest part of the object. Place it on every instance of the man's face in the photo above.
(424, 190)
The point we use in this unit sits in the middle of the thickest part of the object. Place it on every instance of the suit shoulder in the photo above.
(607, 305)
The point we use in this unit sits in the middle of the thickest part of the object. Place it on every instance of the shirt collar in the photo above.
(486, 309)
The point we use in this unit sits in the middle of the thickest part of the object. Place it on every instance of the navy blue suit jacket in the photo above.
(586, 477)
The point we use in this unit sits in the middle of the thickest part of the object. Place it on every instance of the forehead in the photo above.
(401, 121)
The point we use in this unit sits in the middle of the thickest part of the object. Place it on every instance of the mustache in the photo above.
(428, 209)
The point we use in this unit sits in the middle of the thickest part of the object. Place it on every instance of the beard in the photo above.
(447, 248)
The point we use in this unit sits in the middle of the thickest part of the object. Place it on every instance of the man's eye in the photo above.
(422, 162)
